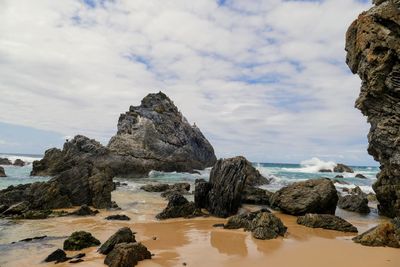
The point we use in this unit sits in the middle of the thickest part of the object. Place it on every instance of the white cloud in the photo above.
(266, 79)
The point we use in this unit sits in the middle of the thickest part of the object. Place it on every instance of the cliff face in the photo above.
(373, 52)
(157, 132)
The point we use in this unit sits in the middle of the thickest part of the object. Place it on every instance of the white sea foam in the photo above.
(315, 165)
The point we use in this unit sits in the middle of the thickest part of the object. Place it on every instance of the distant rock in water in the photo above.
(386, 234)
(158, 134)
(5, 161)
(2, 172)
(19, 163)
(342, 168)
(373, 52)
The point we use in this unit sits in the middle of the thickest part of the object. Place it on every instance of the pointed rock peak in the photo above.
(158, 102)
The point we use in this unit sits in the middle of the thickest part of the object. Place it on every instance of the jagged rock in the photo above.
(58, 255)
(373, 52)
(84, 210)
(122, 235)
(326, 221)
(359, 175)
(178, 188)
(255, 196)
(357, 201)
(80, 240)
(311, 196)
(158, 134)
(127, 255)
(19, 163)
(178, 206)
(386, 234)
(120, 217)
(223, 196)
(2, 172)
(342, 168)
(201, 190)
(262, 224)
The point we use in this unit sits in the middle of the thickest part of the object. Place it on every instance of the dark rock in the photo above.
(386, 234)
(76, 261)
(120, 217)
(357, 201)
(84, 210)
(80, 240)
(19, 163)
(35, 214)
(256, 196)
(359, 175)
(311, 196)
(342, 168)
(339, 176)
(79, 256)
(178, 188)
(33, 238)
(2, 172)
(57, 255)
(325, 170)
(155, 187)
(201, 190)
(178, 206)
(17, 209)
(219, 225)
(127, 255)
(243, 220)
(5, 161)
(336, 181)
(326, 221)
(3, 208)
(373, 52)
(122, 235)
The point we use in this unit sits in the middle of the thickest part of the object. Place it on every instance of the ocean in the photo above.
(280, 174)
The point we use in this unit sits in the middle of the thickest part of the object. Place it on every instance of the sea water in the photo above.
(280, 174)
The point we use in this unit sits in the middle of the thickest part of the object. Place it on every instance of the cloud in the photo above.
(265, 79)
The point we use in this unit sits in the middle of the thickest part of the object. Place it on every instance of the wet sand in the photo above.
(194, 241)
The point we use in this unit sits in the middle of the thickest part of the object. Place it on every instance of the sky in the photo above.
(266, 79)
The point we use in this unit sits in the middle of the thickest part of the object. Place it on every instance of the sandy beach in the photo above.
(195, 242)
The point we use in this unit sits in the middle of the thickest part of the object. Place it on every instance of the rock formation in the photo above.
(386, 234)
(5, 161)
(178, 206)
(127, 255)
(2, 172)
(19, 163)
(311, 196)
(80, 240)
(356, 201)
(342, 168)
(326, 221)
(123, 235)
(373, 52)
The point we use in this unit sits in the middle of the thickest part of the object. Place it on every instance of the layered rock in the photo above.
(373, 52)
(326, 221)
(386, 234)
(311, 196)
(159, 136)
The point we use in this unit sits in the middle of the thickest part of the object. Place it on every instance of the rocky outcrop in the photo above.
(166, 189)
(256, 196)
(80, 240)
(5, 161)
(311, 196)
(356, 201)
(2, 172)
(19, 163)
(127, 255)
(342, 168)
(326, 221)
(262, 224)
(386, 234)
(373, 52)
(122, 235)
(159, 136)
(178, 206)
(222, 195)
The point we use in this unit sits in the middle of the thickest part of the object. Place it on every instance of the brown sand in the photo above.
(196, 243)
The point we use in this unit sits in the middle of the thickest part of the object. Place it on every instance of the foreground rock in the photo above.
(311, 196)
(356, 201)
(178, 206)
(120, 217)
(84, 210)
(386, 234)
(58, 255)
(127, 255)
(122, 235)
(342, 168)
(222, 196)
(262, 224)
(80, 240)
(373, 52)
(326, 221)
(2, 172)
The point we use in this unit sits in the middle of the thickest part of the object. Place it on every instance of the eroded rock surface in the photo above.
(127, 255)
(124, 234)
(326, 221)
(386, 234)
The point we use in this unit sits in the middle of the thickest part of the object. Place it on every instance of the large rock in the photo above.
(127, 255)
(2, 172)
(386, 234)
(178, 206)
(311, 196)
(5, 161)
(326, 221)
(256, 196)
(373, 52)
(356, 201)
(80, 240)
(223, 196)
(342, 168)
(122, 235)
(58, 255)
(158, 134)
(19, 163)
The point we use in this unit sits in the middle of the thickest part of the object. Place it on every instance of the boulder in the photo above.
(326, 221)
(155, 187)
(255, 196)
(201, 190)
(263, 224)
(2, 172)
(386, 234)
(356, 201)
(311, 196)
(127, 255)
(84, 210)
(19, 163)
(339, 176)
(120, 217)
(58, 255)
(373, 50)
(80, 240)
(342, 168)
(122, 235)
(178, 206)
(360, 176)
(5, 161)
